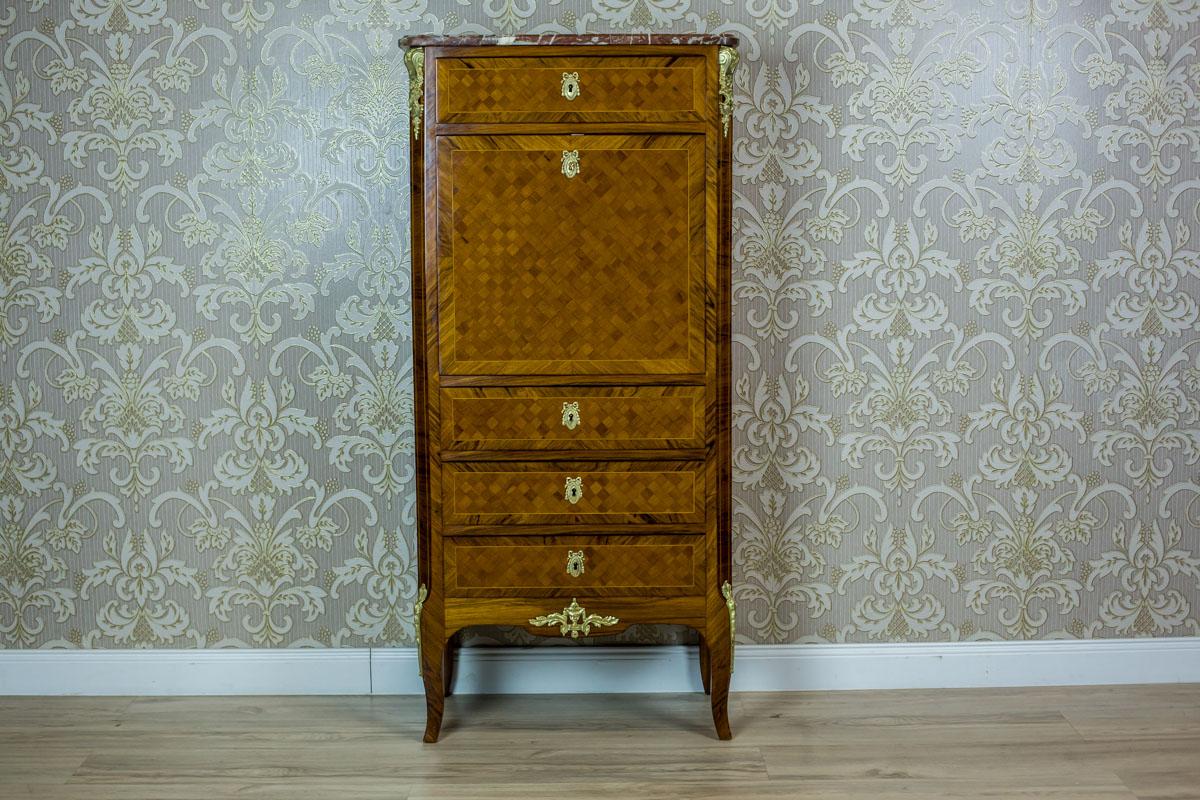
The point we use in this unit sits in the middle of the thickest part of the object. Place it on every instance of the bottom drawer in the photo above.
(552, 566)
(465, 612)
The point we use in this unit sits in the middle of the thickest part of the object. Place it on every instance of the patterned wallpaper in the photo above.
(967, 356)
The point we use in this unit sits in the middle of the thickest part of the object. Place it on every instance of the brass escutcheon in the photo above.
(575, 560)
(570, 85)
(573, 490)
(570, 163)
(570, 417)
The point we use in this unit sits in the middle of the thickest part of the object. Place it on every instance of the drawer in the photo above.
(616, 492)
(573, 418)
(668, 88)
(545, 566)
(464, 612)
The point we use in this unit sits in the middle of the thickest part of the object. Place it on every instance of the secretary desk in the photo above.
(571, 311)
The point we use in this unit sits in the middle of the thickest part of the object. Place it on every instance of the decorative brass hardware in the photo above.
(570, 85)
(414, 59)
(727, 61)
(573, 490)
(570, 419)
(573, 620)
(570, 163)
(422, 594)
(575, 560)
(727, 593)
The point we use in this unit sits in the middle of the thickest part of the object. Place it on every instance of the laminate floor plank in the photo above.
(1182, 783)
(873, 728)
(38, 763)
(23, 718)
(397, 759)
(1010, 765)
(1154, 769)
(772, 790)
(1076, 743)
(178, 790)
(1151, 712)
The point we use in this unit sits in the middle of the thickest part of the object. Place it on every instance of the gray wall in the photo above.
(966, 362)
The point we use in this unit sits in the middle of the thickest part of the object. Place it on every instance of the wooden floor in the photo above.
(1076, 743)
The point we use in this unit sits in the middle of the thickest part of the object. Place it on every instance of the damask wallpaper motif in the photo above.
(967, 355)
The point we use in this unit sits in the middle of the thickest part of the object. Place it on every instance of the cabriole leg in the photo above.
(432, 654)
(719, 690)
(432, 637)
(448, 665)
(720, 657)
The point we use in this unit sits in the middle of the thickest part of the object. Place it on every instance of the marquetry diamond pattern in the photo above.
(513, 91)
(541, 493)
(603, 418)
(594, 268)
(541, 565)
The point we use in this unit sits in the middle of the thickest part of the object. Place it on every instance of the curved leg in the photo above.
(448, 666)
(720, 664)
(720, 699)
(704, 664)
(435, 692)
(433, 652)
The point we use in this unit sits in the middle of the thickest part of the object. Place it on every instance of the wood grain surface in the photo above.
(1082, 743)
(535, 566)
(663, 492)
(607, 418)
(543, 274)
(666, 88)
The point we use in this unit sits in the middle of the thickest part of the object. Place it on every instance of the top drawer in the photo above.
(571, 89)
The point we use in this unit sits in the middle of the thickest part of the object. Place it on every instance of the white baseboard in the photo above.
(185, 672)
(601, 669)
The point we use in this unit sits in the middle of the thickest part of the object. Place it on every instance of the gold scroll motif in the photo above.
(573, 621)
(414, 59)
(727, 61)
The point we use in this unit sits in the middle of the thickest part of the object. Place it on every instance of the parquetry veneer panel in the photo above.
(602, 272)
(663, 88)
(537, 566)
(573, 418)
(576, 493)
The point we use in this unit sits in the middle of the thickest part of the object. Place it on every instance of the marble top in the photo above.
(432, 40)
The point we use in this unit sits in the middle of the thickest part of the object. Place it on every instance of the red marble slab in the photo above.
(432, 40)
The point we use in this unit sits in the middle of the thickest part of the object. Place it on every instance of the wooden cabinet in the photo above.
(571, 214)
